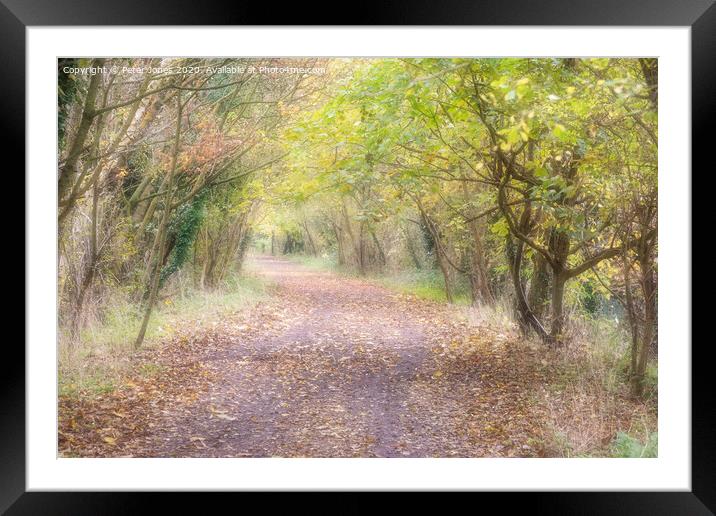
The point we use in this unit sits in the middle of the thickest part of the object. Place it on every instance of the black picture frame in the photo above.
(17, 15)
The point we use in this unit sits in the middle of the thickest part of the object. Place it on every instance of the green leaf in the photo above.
(561, 133)
(541, 173)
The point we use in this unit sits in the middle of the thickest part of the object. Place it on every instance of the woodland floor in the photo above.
(326, 366)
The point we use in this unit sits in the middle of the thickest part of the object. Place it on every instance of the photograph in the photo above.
(359, 257)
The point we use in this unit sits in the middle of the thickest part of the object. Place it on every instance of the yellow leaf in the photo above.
(110, 440)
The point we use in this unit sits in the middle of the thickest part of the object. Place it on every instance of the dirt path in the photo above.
(329, 366)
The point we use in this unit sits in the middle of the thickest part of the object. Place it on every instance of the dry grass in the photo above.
(97, 360)
(498, 318)
(586, 399)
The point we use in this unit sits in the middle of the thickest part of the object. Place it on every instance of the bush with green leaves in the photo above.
(626, 446)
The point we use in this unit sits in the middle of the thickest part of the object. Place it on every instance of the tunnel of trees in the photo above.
(527, 180)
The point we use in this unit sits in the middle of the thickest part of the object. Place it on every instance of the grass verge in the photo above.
(95, 362)
(591, 410)
(424, 284)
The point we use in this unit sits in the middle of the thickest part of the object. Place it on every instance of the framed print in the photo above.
(420, 253)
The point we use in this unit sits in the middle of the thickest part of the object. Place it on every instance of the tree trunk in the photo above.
(640, 352)
(362, 261)
(478, 269)
(411, 249)
(154, 288)
(381, 253)
(525, 317)
(339, 243)
(559, 243)
(91, 267)
(69, 170)
(446, 276)
(538, 295)
(356, 245)
(243, 247)
(314, 250)
(79, 302)
(442, 262)
(479, 283)
(558, 283)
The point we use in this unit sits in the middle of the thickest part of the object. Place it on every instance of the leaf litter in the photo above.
(328, 366)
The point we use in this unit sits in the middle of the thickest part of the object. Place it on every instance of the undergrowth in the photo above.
(592, 412)
(95, 361)
(585, 399)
